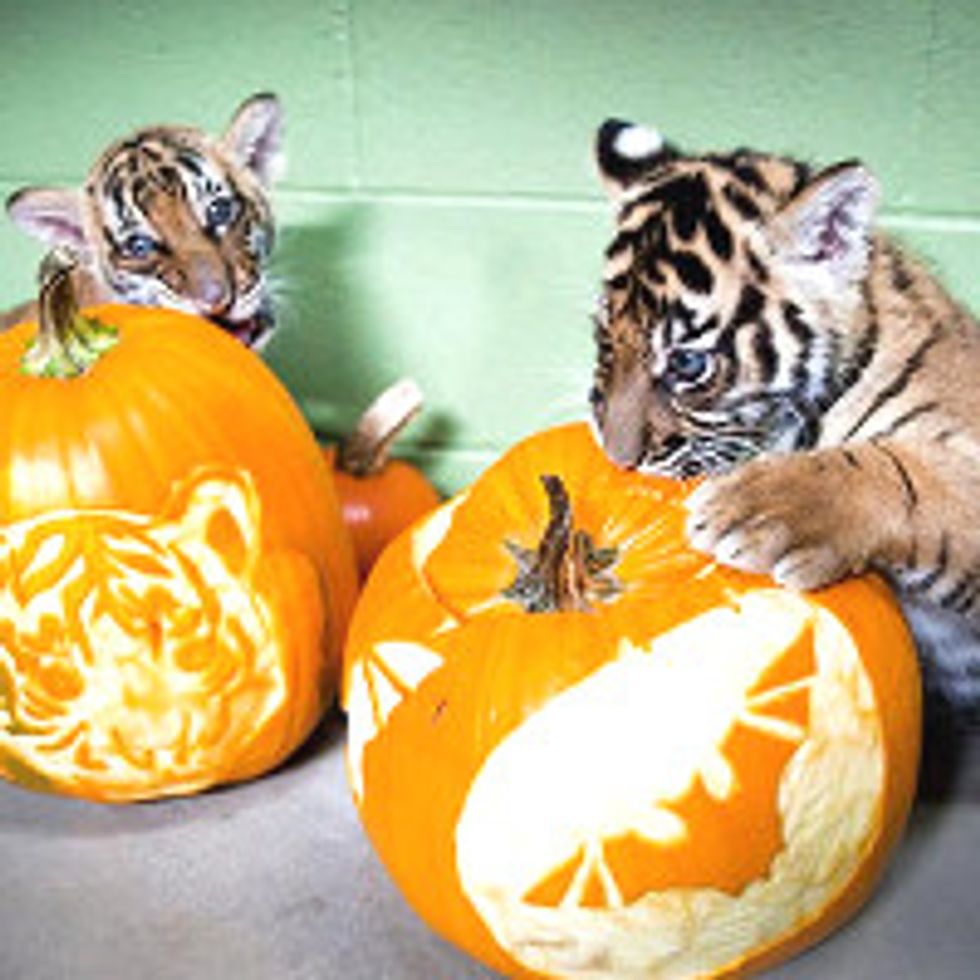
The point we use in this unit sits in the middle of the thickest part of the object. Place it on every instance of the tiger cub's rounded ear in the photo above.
(828, 223)
(51, 214)
(253, 138)
(625, 152)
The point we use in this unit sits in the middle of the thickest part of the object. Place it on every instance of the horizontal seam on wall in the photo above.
(966, 223)
(525, 202)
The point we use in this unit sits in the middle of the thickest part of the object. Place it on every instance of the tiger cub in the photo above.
(170, 216)
(756, 330)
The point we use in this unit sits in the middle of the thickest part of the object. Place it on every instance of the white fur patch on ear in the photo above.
(254, 137)
(53, 215)
(625, 152)
(638, 142)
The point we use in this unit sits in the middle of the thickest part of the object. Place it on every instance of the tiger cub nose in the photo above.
(209, 286)
(623, 445)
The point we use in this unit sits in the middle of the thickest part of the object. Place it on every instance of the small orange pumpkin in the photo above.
(380, 496)
(580, 747)
(175, 576)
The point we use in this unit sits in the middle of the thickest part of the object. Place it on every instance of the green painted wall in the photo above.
(439, 213)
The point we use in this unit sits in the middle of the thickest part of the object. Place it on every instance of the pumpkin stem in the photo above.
(566, 572)
(367, 449)
(67, 344)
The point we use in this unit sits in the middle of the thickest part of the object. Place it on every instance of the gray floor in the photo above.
(275, 881)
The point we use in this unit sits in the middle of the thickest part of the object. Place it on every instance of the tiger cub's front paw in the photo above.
(783, 517)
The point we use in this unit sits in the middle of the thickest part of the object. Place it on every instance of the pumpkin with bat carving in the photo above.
(583, 749)
(175, 577)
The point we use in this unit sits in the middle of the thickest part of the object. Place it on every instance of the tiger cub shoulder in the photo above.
(172, 216)
(755, 329)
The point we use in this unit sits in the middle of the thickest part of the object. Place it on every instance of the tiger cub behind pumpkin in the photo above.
(170, 216)
(755, 330)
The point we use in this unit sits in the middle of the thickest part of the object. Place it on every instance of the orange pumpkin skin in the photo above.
(504, 761)
(377, 507)
(188, 631)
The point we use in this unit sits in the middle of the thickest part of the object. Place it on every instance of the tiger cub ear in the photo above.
(828, 223)
(51, 214)
(253, 138)
(625, 152)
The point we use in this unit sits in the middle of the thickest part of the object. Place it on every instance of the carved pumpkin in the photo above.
(380, 496)
(583, 749)
(175, 578)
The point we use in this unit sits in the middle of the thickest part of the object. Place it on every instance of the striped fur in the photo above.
(170, 216)
(754, 329)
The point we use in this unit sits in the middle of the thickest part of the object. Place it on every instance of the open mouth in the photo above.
(253, 331)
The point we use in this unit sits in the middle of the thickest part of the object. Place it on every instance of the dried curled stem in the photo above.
(566, 572)
(367, 449)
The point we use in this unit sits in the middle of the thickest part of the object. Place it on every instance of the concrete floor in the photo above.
(274, 880)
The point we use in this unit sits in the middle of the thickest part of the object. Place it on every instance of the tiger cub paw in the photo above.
(783, 517)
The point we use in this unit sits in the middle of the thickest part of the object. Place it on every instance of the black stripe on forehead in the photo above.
(684, 202)
(190, 161)
(117, 196)
(112, 189)
(750, 305)
(742, 202)
(763, 173)
(684, 197)
(719, 237)
(653, 256)
(166, 178)
(679, 322)
(152, 152)
(694, 331)
(689, 201)
(748, 311)
(741, 165)
(115, 177)
(691, 271)
(133, 157)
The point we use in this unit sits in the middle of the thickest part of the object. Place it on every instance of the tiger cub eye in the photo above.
(138, 246)
(220, 212)
(687, 366)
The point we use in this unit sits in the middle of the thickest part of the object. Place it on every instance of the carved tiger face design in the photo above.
(139, 652)
(170, 216)
(720, 267)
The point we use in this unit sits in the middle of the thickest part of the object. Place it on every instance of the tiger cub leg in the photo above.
(812, 518)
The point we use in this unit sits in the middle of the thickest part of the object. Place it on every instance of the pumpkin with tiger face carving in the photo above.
(144, 649)
(175, 577)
